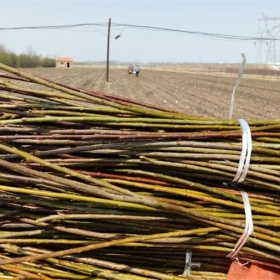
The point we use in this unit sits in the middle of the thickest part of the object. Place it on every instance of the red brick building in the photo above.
(64, 62)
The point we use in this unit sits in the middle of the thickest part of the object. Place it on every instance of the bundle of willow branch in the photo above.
(94, 186)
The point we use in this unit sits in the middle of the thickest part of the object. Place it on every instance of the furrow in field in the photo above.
(199, 94)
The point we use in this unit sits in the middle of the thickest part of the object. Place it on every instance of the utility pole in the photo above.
(108, 49)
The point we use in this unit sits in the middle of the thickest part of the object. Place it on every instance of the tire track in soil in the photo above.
(190, 96)
(160, 92)
(170, 92)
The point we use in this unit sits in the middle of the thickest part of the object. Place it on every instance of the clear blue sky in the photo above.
(142, 45)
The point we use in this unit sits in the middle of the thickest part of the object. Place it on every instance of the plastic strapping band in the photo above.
(240, 176)
(236, 85)
(249, 227)
(245, 156)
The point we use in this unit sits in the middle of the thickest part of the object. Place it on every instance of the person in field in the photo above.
(137, 70)
(130, 69)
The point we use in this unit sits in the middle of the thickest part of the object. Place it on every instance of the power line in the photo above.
(205, 34)
(146, 27)
(51, 26)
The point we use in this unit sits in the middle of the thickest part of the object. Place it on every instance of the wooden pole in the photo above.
(108, 49)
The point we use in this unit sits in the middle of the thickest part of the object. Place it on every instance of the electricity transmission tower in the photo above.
(268, 50)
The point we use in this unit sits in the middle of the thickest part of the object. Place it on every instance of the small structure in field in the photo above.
(64, 62)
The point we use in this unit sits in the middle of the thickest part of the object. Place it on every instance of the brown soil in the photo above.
(198, 93)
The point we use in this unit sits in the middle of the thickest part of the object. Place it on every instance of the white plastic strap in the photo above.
(249, 227)
(189, 264)
(240, 176)
(236, 85)
(245, 156)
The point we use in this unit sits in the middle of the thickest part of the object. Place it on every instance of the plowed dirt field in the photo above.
(198, 93)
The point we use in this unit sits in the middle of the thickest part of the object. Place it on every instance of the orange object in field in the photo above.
(253, 271)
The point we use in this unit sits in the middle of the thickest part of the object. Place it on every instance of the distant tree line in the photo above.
(25, 60)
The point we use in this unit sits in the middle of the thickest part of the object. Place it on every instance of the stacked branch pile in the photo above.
(93, 186)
